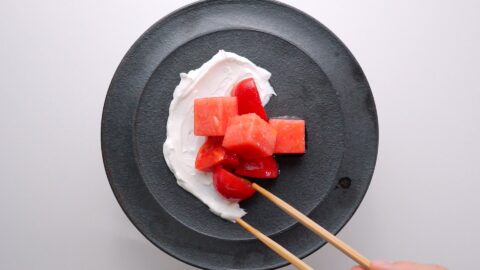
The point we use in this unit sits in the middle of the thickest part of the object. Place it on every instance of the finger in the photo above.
(411, 265)
(376, 265)
(381, 265)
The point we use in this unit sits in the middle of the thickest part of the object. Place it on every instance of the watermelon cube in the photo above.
(290, 136)
(211, 115)
(250, 136)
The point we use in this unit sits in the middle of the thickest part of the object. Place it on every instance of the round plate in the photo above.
(316, 78)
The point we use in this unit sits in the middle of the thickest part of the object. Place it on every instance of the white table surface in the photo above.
(57, 59)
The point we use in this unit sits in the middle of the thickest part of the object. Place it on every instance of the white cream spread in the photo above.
(213, 79)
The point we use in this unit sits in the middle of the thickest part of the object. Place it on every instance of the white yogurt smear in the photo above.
(214, 78)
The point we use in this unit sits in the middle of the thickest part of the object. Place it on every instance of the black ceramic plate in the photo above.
(316, 78)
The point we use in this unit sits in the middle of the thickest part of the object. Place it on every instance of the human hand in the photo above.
(378, 265)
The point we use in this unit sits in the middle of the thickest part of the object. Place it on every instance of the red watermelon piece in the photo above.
(290, 136)
(211, 115)
(250, 136)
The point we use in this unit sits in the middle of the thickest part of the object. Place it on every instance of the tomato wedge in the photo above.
(211, 154)
(231, 186)
(248, 98)
(266, 167)
(230, 160)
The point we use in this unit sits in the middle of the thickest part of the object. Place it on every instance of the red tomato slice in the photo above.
(266, 167)
(230, 160)
(248, 98)
(211, 154)
(231, 186)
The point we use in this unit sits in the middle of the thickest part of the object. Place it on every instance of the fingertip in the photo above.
(380, 265)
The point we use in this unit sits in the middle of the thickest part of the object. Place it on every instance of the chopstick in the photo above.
(277, 248)
(313, 226)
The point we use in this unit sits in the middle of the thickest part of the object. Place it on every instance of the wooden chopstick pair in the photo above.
(307, 222)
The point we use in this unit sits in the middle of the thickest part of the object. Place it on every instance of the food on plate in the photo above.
(219, 132)
(231, 186)
(290, 135)
(248, 98)
(215, 78)
(250, 136)
(265, 167)
(212, 115)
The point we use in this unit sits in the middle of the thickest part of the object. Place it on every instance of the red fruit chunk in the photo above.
(211, 154)
(231, 186)
(290, 136)
(250, 136)
(230, 160)
(248, 98)
(211, 115)
(265, 167)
